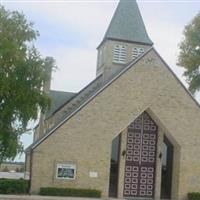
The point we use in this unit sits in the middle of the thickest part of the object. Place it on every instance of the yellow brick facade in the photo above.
(85, 139)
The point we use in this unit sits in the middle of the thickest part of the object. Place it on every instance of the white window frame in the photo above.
(66, 166)
(136, 52)
(120, 54)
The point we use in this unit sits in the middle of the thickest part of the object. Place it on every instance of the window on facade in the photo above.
(100, 57)
(66, 171)
(137, 52)
(119, 54)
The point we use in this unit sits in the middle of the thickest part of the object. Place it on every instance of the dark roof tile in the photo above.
(58, 98)
(127, 24)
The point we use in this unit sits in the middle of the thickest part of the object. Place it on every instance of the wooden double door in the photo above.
(140, 164)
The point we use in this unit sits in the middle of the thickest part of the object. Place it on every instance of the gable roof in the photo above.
(127, 67)
(127, 24)
(58, 98)
(75, 99)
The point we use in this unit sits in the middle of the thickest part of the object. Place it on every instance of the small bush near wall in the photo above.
(194, 196)
(13, 186)
(49, 191)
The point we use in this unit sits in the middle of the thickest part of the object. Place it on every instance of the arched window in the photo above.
(120, 54)
(137, 52)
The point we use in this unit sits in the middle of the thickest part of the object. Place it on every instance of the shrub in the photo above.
(13, 186)
(72, 192)
(194, 196)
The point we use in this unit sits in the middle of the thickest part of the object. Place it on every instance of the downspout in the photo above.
(30, 177)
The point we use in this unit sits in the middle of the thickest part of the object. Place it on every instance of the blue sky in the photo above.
(70, 31)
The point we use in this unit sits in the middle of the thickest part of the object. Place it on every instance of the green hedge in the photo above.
(194, 196)
(72, 192)
(14, 186)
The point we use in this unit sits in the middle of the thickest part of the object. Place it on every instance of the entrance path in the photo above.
(36, 197)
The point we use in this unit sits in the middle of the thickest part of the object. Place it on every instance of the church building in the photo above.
(132, 133)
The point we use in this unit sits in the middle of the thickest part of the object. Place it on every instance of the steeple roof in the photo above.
(127, 24)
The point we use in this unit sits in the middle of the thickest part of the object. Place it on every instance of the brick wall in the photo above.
(86, 138)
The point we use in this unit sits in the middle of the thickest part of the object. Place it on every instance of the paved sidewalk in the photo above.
(36, 197)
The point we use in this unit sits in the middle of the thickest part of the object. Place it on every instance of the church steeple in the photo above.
(125, 39)
(127, 24)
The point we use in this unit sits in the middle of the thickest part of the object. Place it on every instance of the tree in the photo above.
(23, 75)
(189, 56)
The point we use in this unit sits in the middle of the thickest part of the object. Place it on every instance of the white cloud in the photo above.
(78, 68)
(90, 18)
(166, 39)
(76, 64)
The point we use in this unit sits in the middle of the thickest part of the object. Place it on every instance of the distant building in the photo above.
(12, 170)
(12, 167)
(133, 132)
